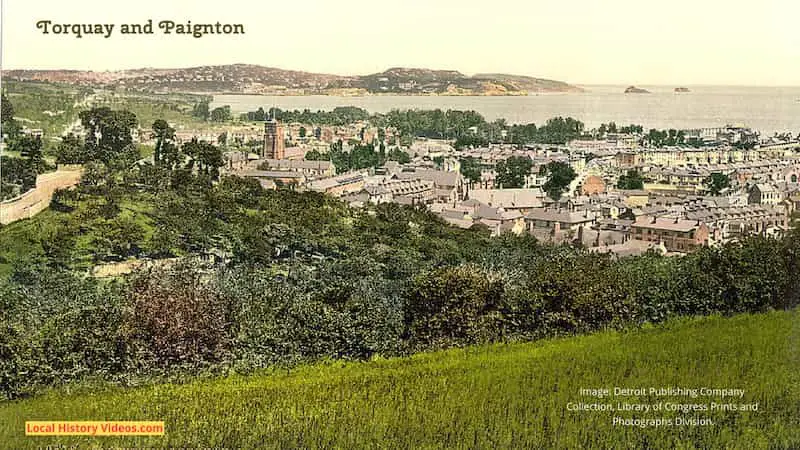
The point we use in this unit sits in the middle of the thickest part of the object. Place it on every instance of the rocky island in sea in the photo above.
(636, 90)
(682, 89)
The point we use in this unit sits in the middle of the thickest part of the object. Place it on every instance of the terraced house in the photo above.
(677, 235)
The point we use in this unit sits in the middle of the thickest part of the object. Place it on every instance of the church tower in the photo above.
(273, 140)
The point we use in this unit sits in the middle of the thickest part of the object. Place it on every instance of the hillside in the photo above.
(253, 79)
(529, 84)
(500, 396)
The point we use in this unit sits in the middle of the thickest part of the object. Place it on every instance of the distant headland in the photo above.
(255, 80)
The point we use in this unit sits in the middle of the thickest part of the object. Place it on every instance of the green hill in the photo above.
(499, 396)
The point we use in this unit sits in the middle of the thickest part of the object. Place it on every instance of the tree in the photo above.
(109, 134)
(7, 110)
(57, 240)
(559, 176)
(471, 169)
(117, 238)
(632, 129)
(398, 155)
(71, 150)
(259, 116)
(221, 114)
(201, 110)
(315, 155)
(178, 316)
(513, 172)
(29, 147)
(452, 305)
(522, 134)
(165, 150)
(631, 180)
(559, 130)
(7, 123)
(717, 182)
(207, 157)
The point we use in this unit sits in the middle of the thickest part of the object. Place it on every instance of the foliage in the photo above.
(166, 149)
(177, 318)
(717, 182)
(631, 180)
(664, 138)
(559, 130)
(315, 155)
(395, 154)
(71, 150)
(17, 176)
(9, 126)
(559, 176)
(471, 169)
(201, 110)
(453, 305)
(513, 172)
(207, 157)
(632, 129)
(340, 115)
(438, 124)
(109, 137)
(221, 114)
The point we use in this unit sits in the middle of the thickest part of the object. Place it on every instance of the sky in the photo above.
(625, 42)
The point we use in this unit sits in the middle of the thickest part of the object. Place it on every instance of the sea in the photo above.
(765, 109)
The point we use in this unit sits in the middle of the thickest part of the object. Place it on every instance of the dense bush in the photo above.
(177, 317)
(454, 305)
(58, 326)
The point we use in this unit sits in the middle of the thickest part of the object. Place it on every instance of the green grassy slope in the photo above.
(500, 396)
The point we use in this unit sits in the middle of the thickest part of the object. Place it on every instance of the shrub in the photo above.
(177, 317)
(452, 305)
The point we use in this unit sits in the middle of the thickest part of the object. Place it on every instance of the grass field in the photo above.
(499, 396)
(20, 240)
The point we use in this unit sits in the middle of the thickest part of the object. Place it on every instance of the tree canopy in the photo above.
(631, 180)
(109, 135)
(559, 176)
(717, 182)
(513, 172)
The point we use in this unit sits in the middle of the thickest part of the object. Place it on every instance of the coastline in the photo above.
(395, 94)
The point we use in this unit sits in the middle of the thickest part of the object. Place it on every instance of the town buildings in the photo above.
(677, 235)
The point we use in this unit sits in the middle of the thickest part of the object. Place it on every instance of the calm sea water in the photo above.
(767, 109)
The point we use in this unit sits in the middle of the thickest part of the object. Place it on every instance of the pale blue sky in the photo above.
(580, 41)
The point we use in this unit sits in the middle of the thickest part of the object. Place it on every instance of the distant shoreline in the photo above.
(390, 94)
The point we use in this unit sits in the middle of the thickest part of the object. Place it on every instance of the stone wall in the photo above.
(36, 200)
